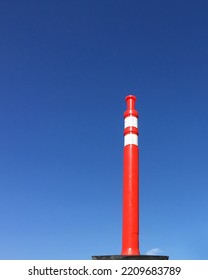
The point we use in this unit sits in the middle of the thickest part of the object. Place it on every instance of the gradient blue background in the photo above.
(65, 69)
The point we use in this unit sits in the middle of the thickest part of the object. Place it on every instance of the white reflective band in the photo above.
(130, 139)
(130, 121)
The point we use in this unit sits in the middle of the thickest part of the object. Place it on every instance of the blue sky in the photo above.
(65, 69)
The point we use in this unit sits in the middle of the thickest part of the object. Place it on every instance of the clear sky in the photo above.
(65, 69)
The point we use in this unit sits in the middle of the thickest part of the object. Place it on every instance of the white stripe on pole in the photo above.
(130, 121)
(130, 139)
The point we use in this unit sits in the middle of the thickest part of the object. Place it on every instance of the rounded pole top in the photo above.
(130, 101)
(131, 96)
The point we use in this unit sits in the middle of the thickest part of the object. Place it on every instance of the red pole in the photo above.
(130, 230)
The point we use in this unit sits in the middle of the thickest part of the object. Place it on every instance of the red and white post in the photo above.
(130, 228)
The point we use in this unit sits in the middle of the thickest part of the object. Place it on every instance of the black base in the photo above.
(133, 257)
